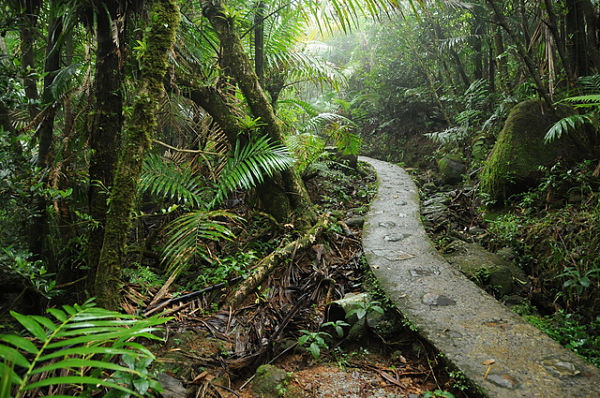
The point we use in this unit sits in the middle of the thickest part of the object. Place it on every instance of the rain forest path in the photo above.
(495, 348)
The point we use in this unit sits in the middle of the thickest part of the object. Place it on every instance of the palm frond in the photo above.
(317, 123)
(303, 105)
(584, 101)
(163, 178)
(567, 125)
(188, 234)
(590, 84)
(79, 340)
(248, 165)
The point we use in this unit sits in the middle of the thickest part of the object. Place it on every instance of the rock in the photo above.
(428, 186)
(270, 382)
(484, 267)
(507, 253)
(513, 164)
(451, 169)
(355, 222)
(172, 387)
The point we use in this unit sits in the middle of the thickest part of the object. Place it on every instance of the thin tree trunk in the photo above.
(238, 64)
(259, 42)
(533, 72)
(578, 44)
(159, 41)
(499, 55)
(560, 42)
(39, 233)
(30, 10)
(106, 130)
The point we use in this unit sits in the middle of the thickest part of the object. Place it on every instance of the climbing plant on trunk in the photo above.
(159, 40)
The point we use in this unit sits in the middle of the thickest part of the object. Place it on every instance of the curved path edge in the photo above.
(462, 321)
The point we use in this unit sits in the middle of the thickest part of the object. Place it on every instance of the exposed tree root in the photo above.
(274, 259)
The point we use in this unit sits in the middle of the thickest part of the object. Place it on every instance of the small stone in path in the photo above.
(437, 300)
(387, 224)
(395, 238)
(560, 368)
(505, 380)
(354, 222)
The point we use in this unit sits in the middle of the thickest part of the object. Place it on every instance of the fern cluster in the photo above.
(77, 350)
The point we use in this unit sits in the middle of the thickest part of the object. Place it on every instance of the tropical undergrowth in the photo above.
(555, 229)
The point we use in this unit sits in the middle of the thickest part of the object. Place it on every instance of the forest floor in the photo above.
(214, 352)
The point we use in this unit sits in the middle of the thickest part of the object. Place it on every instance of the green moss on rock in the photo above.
(513, 164)
(270, 382)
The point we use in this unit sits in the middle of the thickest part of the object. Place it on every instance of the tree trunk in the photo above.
(236, 61)
(159, 41)
(560, 43)
(576, 32)
(106, 130)
(499, 56)
(522, 50)
(259, 42)
(39, 234)
(30, 10)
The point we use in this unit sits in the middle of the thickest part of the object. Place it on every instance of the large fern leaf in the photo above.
(166, 180)
(249, 164)
(567, 125)
(80, 339)
(189, 233)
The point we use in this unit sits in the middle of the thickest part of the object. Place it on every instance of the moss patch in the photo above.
(512, 166)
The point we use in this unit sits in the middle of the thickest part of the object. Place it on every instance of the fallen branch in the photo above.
(270, 262)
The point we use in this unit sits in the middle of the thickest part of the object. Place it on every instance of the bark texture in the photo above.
(164, 21)
(106, 129)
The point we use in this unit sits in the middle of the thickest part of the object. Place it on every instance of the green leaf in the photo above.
(7, 377)
(82, 363)
(303, 339)
(51, 381)
(31, 325)
(20, 342)
(58, 314)
(315, 350)
(11, 355)
(87, 350)
(141, 385)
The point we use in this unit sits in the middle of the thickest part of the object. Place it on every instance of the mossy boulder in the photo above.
(451, 169)
(513, 164)
(270, 382)
(485, 268)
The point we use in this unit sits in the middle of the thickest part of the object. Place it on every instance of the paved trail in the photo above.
(466, 324)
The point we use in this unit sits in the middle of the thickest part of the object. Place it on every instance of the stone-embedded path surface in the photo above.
(466, 324)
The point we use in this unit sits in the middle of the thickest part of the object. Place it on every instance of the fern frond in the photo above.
(567, 125)
(584, 101)
(590, 84)
(166, 180)
(188, 233)
(318, 122)
(248, 165)
(80, 337)
(303, 105)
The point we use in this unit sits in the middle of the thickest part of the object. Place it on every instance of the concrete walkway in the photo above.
(462, 321)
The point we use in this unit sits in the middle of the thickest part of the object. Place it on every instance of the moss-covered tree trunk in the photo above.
(237, 62)
(164, 20)
(106, 128)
